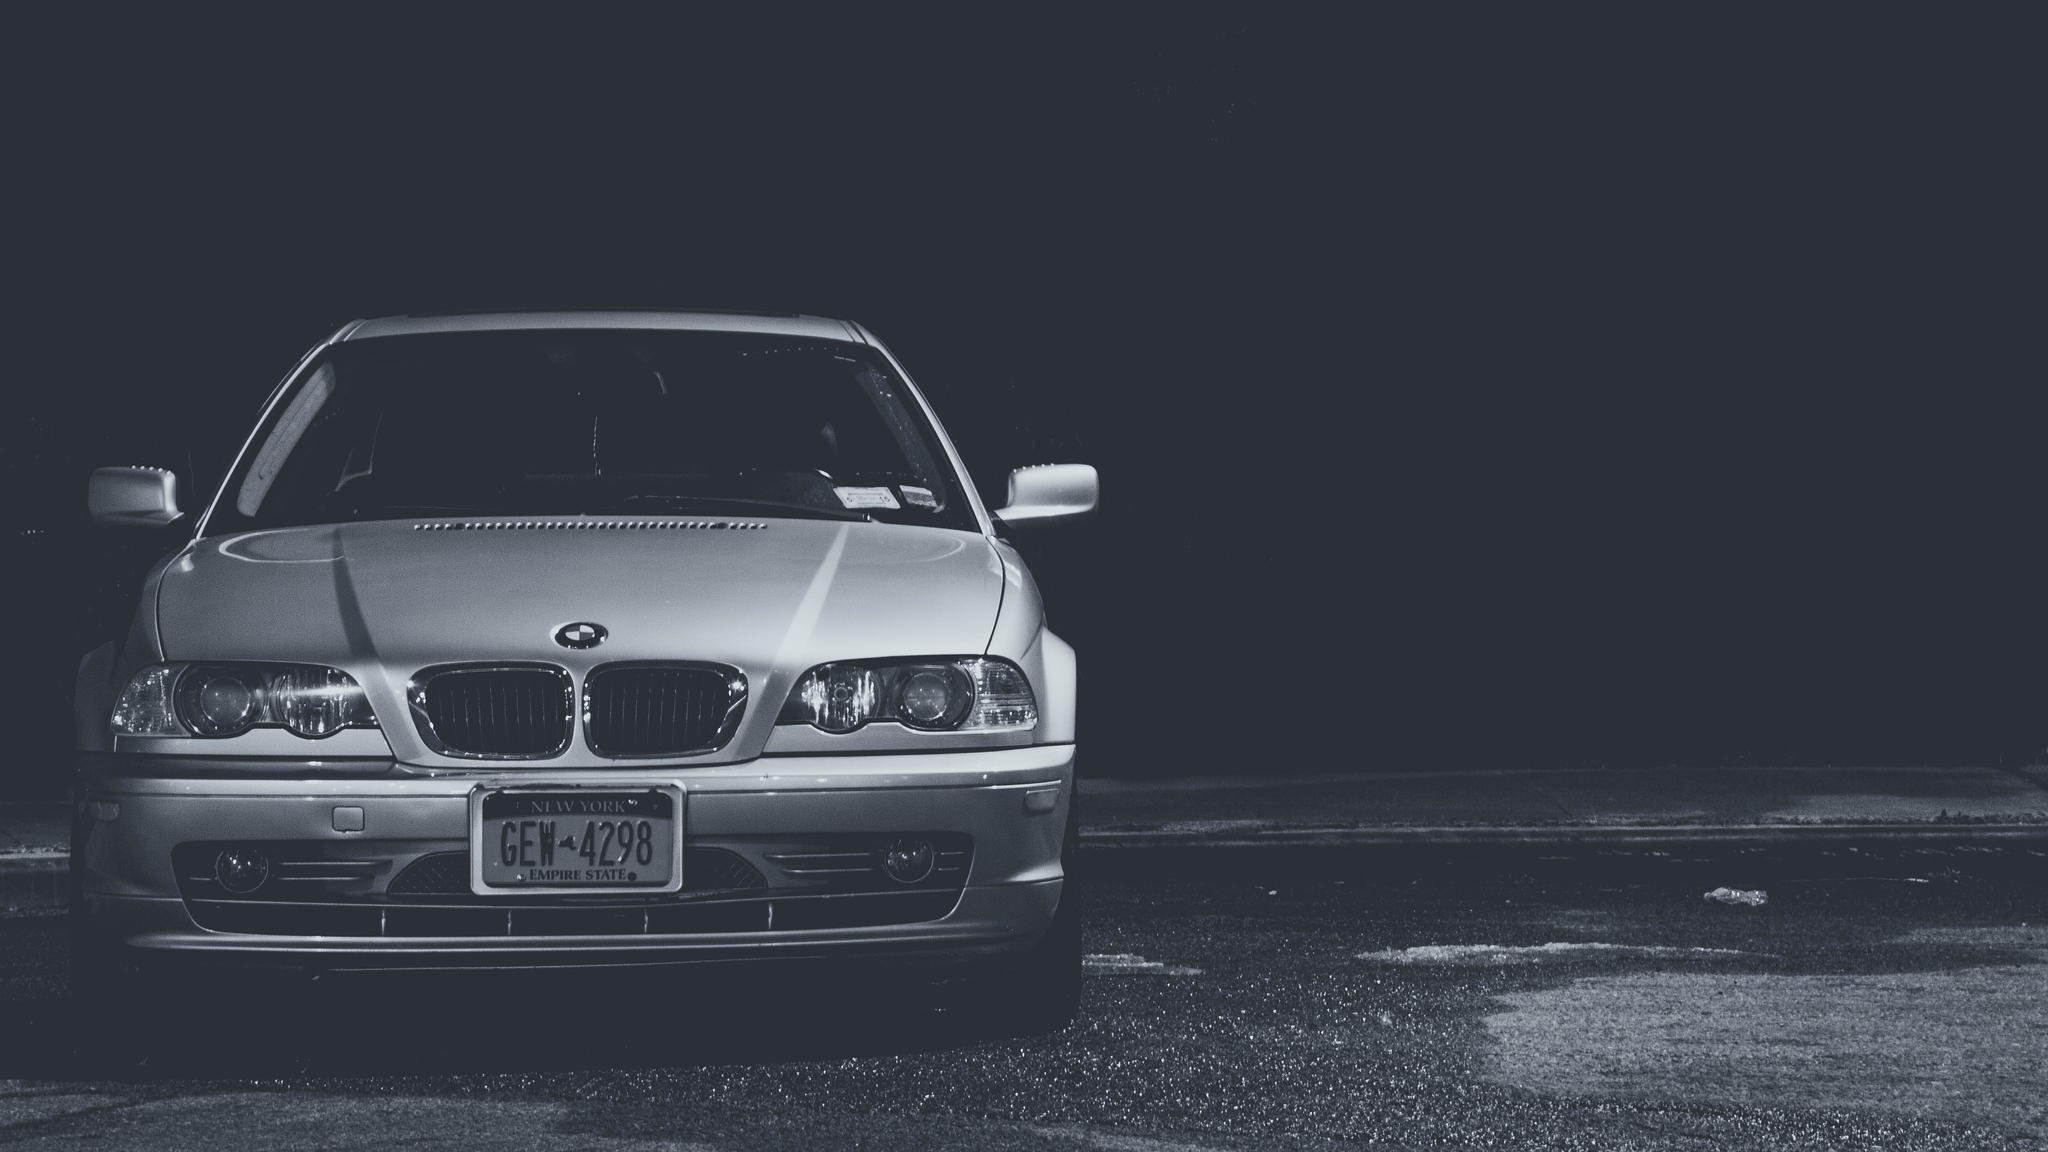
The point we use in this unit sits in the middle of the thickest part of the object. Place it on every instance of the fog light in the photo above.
(241, 870)
(908, 861)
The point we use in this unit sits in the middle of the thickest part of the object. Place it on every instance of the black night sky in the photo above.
(1492, 387)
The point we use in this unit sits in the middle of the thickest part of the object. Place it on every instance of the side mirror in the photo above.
(1045, 493)
(132, 497)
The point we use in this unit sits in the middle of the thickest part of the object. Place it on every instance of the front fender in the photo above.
(1048, 662)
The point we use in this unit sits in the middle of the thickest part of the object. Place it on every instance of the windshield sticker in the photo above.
(920, 498)
(867, 498)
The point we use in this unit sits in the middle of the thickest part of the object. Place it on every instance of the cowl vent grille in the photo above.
(588, 525)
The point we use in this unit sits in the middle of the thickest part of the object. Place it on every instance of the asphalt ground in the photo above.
(1888, 997)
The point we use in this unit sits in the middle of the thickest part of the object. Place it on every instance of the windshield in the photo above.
(593, 422)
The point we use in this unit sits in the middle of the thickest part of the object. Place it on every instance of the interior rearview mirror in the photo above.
(132, 497)
(1045, 493)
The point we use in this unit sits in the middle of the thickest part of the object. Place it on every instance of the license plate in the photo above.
(576, 839)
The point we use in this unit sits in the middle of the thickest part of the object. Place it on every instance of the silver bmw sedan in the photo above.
(585, 638)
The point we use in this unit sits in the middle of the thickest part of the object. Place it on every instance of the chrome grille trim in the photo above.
(698, 721)
(418, 694)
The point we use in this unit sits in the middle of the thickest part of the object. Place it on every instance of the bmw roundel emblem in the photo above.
(581, 634)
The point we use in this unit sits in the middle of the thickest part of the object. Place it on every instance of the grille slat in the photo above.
(856, 860)
(509, 712)
(661, 709)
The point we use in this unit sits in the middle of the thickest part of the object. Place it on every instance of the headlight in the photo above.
(310, 700)
(218, 701)
(935, 695)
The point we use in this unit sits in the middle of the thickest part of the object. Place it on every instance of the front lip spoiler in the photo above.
(940, 954)
(997, 917)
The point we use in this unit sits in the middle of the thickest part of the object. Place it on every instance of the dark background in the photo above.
(1492, 388)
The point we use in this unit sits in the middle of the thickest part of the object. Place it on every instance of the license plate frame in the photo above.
(578, 791)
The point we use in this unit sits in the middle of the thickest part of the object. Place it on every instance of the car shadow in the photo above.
(384, 1024)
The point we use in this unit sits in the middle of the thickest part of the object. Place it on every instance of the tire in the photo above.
(95, 967)
(106, 984)
(111, 1014)
(112, 1011)
(1036, 992)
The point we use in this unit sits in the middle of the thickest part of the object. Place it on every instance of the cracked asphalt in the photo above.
(1875, 1000)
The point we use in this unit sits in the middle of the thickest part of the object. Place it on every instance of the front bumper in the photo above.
(1011, 804)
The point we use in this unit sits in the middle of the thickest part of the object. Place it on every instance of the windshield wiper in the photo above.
(807, 511)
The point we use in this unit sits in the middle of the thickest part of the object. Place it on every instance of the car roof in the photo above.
(686, 319)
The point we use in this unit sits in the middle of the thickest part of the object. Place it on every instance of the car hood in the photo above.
(771, 597)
